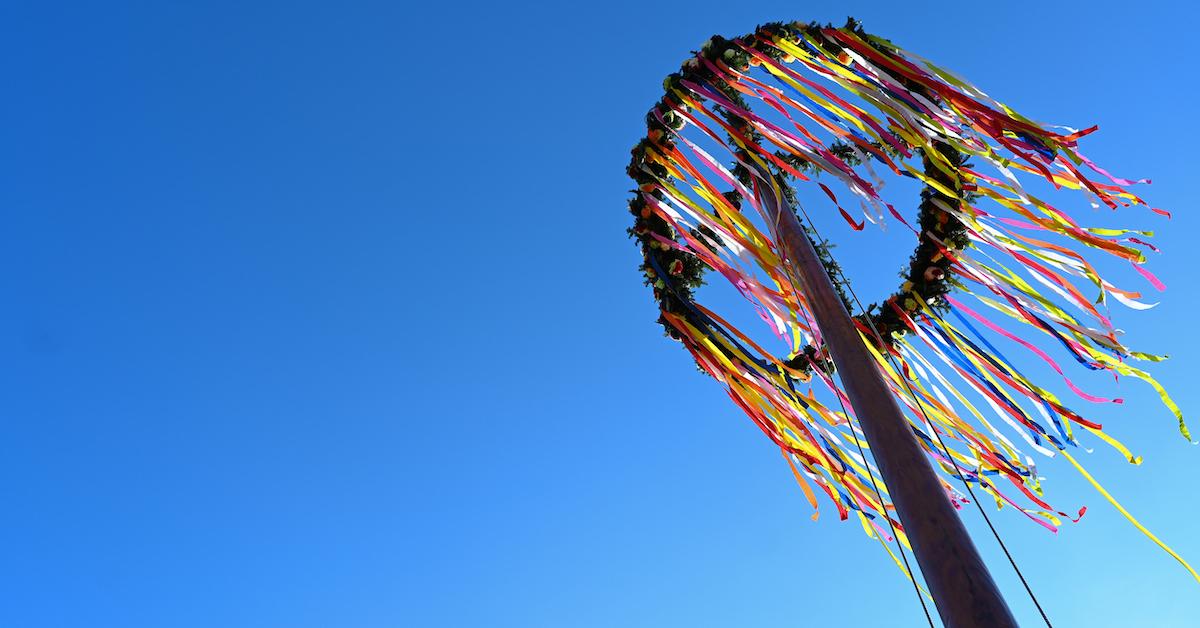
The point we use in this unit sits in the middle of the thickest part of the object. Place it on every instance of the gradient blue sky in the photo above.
(324, 315)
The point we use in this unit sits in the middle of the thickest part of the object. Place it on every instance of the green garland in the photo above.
(928, 269)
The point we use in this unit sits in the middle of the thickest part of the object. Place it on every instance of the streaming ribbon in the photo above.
(820, 104)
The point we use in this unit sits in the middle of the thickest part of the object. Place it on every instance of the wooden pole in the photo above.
(963, 590)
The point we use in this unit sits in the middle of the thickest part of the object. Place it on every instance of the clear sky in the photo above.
(324, 315)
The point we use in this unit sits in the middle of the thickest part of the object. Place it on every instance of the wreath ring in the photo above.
(673, 273)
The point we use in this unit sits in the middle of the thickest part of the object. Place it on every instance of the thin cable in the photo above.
(933, 428)
(979, 506)
(879, 494)
(874, 485)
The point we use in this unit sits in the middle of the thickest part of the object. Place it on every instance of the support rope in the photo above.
(874, 485)
(936, 434)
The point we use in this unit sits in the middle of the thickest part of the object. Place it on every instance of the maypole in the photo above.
(938, 402)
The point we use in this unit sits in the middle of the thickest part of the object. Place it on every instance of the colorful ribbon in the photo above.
(818, 105)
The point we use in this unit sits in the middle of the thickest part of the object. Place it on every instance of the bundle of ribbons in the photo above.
(805, 104)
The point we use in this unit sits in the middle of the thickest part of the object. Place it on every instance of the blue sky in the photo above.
(324, 315)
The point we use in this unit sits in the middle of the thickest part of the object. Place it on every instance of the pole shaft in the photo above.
(963, 590)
